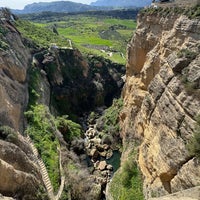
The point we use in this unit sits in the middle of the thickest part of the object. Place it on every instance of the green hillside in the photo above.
(99, 35)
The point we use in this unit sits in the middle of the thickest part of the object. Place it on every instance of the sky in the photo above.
(19, 4)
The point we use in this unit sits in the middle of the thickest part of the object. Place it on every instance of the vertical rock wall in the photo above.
(161, 100)
(20, 177)
(14, 62)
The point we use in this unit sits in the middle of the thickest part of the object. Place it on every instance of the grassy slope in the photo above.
(38, 34)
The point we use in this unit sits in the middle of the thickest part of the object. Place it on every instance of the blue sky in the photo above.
(19, 4)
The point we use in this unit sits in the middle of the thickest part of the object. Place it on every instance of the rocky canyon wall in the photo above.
(162, 99)
(14, 61)
(19, 174)
(68, 83)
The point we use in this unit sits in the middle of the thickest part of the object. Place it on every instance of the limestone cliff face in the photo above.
(19, 175)
(14, 60)
(161, 98)
(189, 194)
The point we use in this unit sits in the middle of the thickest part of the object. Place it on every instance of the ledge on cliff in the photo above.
(189, 194)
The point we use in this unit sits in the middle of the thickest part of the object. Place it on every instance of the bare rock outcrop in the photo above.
(20, 173)
(161, 100)
(15, 182)
(189, 194)
(14, 62)
(20, 176)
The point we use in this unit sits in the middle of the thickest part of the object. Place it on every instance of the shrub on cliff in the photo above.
(108, 124)
(127, 183)
(34, 78)
(194, 144)
(81, 184)
(110, 118)
(7, 133)
(68, 128)
(187, 53)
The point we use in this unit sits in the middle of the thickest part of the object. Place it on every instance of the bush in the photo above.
(193, 12)
(3, 30)
(110, 117)
(186, 53)
(108, 124)
(7, 133)
(127, 183)
(194, 143)
(3, 45)
(41, 194)
(68, 128)
(191, 87)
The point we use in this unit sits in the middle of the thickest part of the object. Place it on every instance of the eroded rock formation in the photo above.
(65, 81)
(14, 62)
(19, 174)
(161, 98)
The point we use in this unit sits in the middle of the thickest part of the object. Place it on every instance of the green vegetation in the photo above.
(191, 12)
(108, 124)
(3, 30)
(41, 36)
(34, 78)
(127, 182)
(41, 193)
(48, 16)
(191, 87)
(41, 128)
(99, 36)
(68, 128)
(91, 34)
(194, 144)
(7, 133)
(3, 45)
(99, 33)
(110, 118)
(186, 53)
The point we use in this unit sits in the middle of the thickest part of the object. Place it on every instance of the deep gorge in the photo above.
(64, 115)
